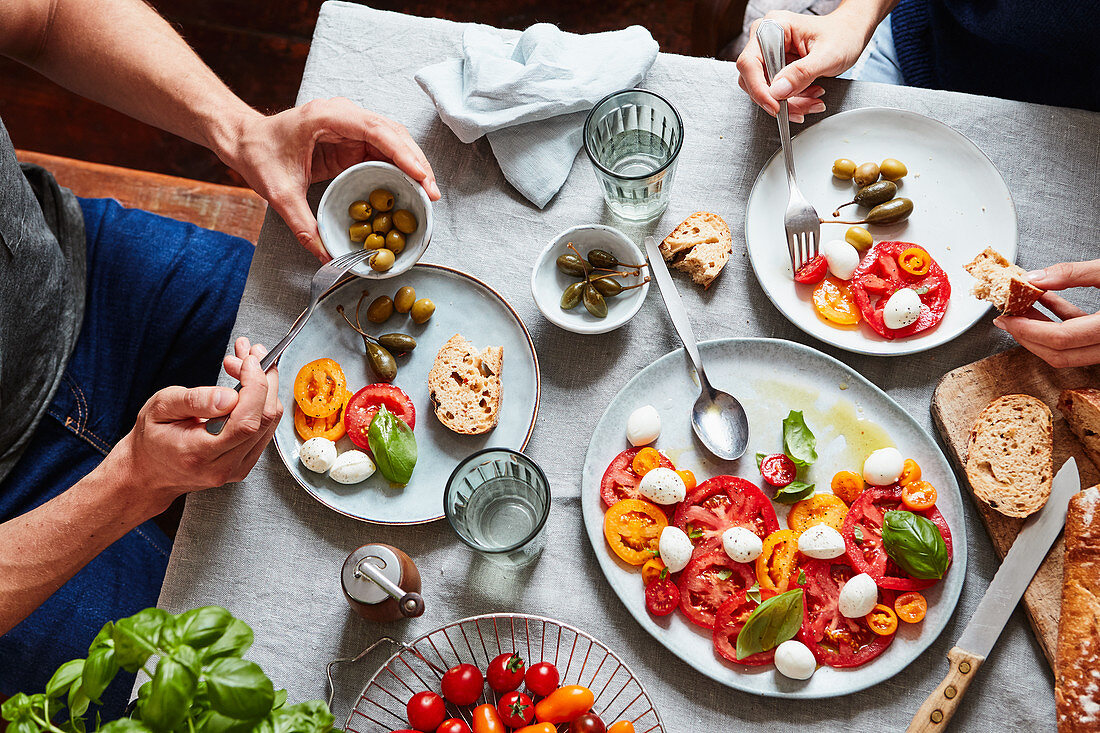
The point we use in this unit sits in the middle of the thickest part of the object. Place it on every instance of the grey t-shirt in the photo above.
(42, 282)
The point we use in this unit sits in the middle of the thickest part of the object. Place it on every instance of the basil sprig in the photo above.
(774, 621)
(394, 446)
(794, 491)
(915, 544)
(798, 440)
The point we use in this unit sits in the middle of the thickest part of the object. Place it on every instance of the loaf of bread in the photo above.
(1002, 283)
(1081, 409)
(464, 386)
(1010, 455)
(700, 246)
(1077, 661)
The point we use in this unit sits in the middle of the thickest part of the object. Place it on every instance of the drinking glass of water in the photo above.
(497, 500)
(633, 138)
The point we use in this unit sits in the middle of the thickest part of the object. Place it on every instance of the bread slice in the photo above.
(1010, 455)
(700, 246)
(464, 386)
(1002, 283)
(1081, 409)
(1077, 659)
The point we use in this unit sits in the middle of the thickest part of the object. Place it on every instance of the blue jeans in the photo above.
(161, 300)
(879, 61)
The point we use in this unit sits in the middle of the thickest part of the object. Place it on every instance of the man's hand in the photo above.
(1076, 340)
(281, 155)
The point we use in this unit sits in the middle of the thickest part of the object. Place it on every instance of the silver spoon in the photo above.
(717, 418)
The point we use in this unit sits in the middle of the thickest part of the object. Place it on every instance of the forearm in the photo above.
(865, 14)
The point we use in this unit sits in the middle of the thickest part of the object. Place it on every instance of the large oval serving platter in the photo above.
(464, 305)
(850, 417)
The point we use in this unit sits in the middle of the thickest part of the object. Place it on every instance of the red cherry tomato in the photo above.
(813, 271)
(463, 684)
(542, 678)
(453, 725)
(662, 597)
(426, 711)
(516, 709)
(588, 723)
(505, 673)
(778, 469)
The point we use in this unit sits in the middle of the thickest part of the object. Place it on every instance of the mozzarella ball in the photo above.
(741, 544)
(842, 257)
(902, 309)
(821, 542)
(675, 548)
(317, 454)
(795, 660)
(663, 486)
(858, 596)
(643, 426)
(883, 467)
(351, 467)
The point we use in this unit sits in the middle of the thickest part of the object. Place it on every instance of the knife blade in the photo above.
(1028, 551)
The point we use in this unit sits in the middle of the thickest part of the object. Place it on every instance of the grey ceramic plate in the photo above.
(771, 377)
(464, 305)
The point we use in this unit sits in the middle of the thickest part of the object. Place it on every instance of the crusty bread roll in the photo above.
(1002, 283)
(1010, 455)
(464, 386)
(700, 246)
(1081, 409)
(1077, 661)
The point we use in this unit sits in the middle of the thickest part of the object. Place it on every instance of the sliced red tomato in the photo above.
(731, 618)
(865, 545)
(813, 272)
(879, 276)
(619, 480)
(778, 470)
(835, 640)
(364, 405)
(708, 581)
(720, 503)
(661, 597)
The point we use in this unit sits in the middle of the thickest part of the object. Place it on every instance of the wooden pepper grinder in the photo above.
(382, 583)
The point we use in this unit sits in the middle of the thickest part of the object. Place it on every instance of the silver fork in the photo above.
(801, 222)
(327, 276)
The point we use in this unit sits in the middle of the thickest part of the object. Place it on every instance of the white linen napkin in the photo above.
(530, 95)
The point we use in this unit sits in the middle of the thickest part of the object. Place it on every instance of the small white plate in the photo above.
(548, 282)
(961, 206)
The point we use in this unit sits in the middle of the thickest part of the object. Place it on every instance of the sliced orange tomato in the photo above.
(910, 472)
(848, 485)
(319, 388)
(623, 726)
(564, 704)
(834, 302)
(645, 461)
(817, 509)
(632, 527)
(918, 496)
(652, 570)
(911, 607)
(689, 479)
(331, 427)
(882, 620)
(778, 561)
(915, 261)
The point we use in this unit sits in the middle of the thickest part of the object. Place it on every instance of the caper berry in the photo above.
(374, 241)
(382, 223)
(382, 260)
(404, 220)
(380, 309)
(866, 174)
(359, 231)
(892, 169)
(395, 241)
(360, 211)
(398, 342)
(891, 212)
(381, 361)
(594, 302)
(608, 286)
(381, 199)
(422, 310)
(859, 238)
(571, 296)
(404, 299)
(572, 265)
(844, 168)
(877, 193)
(603, 258)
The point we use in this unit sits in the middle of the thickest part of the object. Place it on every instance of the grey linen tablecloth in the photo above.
(271, 554)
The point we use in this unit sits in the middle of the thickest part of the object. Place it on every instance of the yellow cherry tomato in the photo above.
(689, 479)
(645, 461)
(623, 726)
(834, 302)
(918, 496)
(911, 607)
(652, 570)
(882, 620)
(848, 485)
(910, 472)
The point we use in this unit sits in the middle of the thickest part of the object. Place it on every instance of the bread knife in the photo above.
(1008, 586)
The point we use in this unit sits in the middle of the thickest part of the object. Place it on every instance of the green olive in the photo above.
(374, 241)
(359, 231)
(594, 302)
(403, 301)
(844, 168)
(382, 260)
(892, 169)
(395, 241)
(404, 220)
(571, 296)
(866, 174)
(380, 309)
(877, 193)
(360, 211)
(891, 212)
(608, 286)
(381, 199)
(381, 362)
(382, 223)
(572, 265)
(859, 238)
(422, 310)
(397, 342)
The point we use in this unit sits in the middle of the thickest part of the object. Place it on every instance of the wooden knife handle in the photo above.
(937, 710)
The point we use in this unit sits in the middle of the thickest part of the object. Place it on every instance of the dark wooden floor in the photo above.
(259, 48)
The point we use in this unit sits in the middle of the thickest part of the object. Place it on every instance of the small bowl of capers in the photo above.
(590, 279)
(375, 206)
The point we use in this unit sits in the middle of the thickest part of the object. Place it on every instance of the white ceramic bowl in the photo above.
(547, 282)
(356, 183)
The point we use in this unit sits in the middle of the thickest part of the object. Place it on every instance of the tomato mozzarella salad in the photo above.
(827, 589)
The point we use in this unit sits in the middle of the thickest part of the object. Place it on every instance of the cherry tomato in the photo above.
(813, 271)
(516, 709)
(778, 469)
(463, 684)
(426, 711)
(623, 726)
(911, 607)
(588, 723)
(653, 569)
(689, 478)
(918, 496)
(539, 728)
(661, 597)
(848, 485)
(453, 725)
(646, 460)
(882, 620)
(505, 673)
(542, 678)
(487, 720)
(910, 472)
(564, 704)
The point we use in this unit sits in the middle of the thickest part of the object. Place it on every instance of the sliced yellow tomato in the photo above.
(319, 388)
(882, 620)
(817, 509)
(777, 565)
(632, 527)
(834, 302)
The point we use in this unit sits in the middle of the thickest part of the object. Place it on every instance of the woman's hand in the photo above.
(281, 155)
(1076, 340)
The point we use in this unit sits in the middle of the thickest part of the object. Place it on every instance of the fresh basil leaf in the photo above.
(66, 674)
(915, 544)
(173, 689)
(393, 445)
(802, 577)
(125, 725)
(280, 699)
(760, 460)
(16, 706)
(773, 622)
(239, 689)
(99, 670)
(753, 593)
(857, 533)
(694, 533)
(794, 491)
(798, 440)
(233, 643)
(724, 574)
(136, 637)
(23, 725)
(312, 716)
(197, 628)
(77, 702)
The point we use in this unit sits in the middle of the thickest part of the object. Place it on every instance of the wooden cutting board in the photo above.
(965, 392)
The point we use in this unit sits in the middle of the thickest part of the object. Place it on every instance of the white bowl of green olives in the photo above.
(375, 206)
(590, 279)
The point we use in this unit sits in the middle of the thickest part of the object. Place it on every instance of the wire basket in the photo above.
(580, 659)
